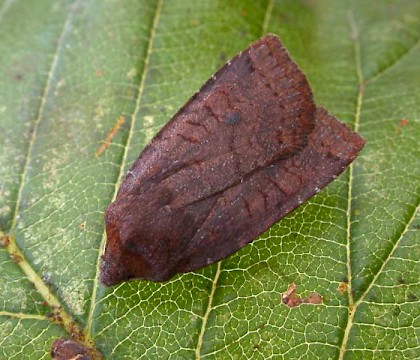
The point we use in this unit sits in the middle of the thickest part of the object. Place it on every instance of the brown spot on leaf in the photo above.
(291, 299)
(111, 134)
(16, 258)
(404, 122)
(411, 297)
(342, 287)
(397, 311)
(55, 315)
(313, 298)
(4, 240)
(262, 325)
(400, 280)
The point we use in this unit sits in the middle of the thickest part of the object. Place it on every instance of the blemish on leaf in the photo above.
(4, 240)
(400, 280)
(46, 278)
(404, 122)
(396, 311)
(99, 73)
(148, 121)
(313, 298)
(342, 287)
(291, 299)
(16, 258)
(74, 294)
(58, 87)
(100, 112)
(411, 297)
(111, 134)
(132, 73)
(261, 325)
(55, 316)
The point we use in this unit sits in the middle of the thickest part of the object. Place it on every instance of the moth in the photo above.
(248, 148)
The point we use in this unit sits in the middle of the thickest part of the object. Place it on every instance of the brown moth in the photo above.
(244, 151)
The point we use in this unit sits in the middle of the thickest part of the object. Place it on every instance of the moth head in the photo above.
(132, 250)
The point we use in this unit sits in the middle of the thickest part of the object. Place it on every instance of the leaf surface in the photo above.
(69, 70)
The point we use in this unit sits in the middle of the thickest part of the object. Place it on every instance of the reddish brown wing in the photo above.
(69, 349)
(244, 211)
(254, 111)
(205, 186)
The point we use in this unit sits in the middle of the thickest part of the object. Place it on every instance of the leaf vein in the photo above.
(23, 316)
(267, 16)
(407, 52)
(41, 108)
(208, 311)
(351, 318)
(354, 31)
(146, 67)
(32, 276)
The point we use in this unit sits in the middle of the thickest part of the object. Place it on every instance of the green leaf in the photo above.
(69, 70)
